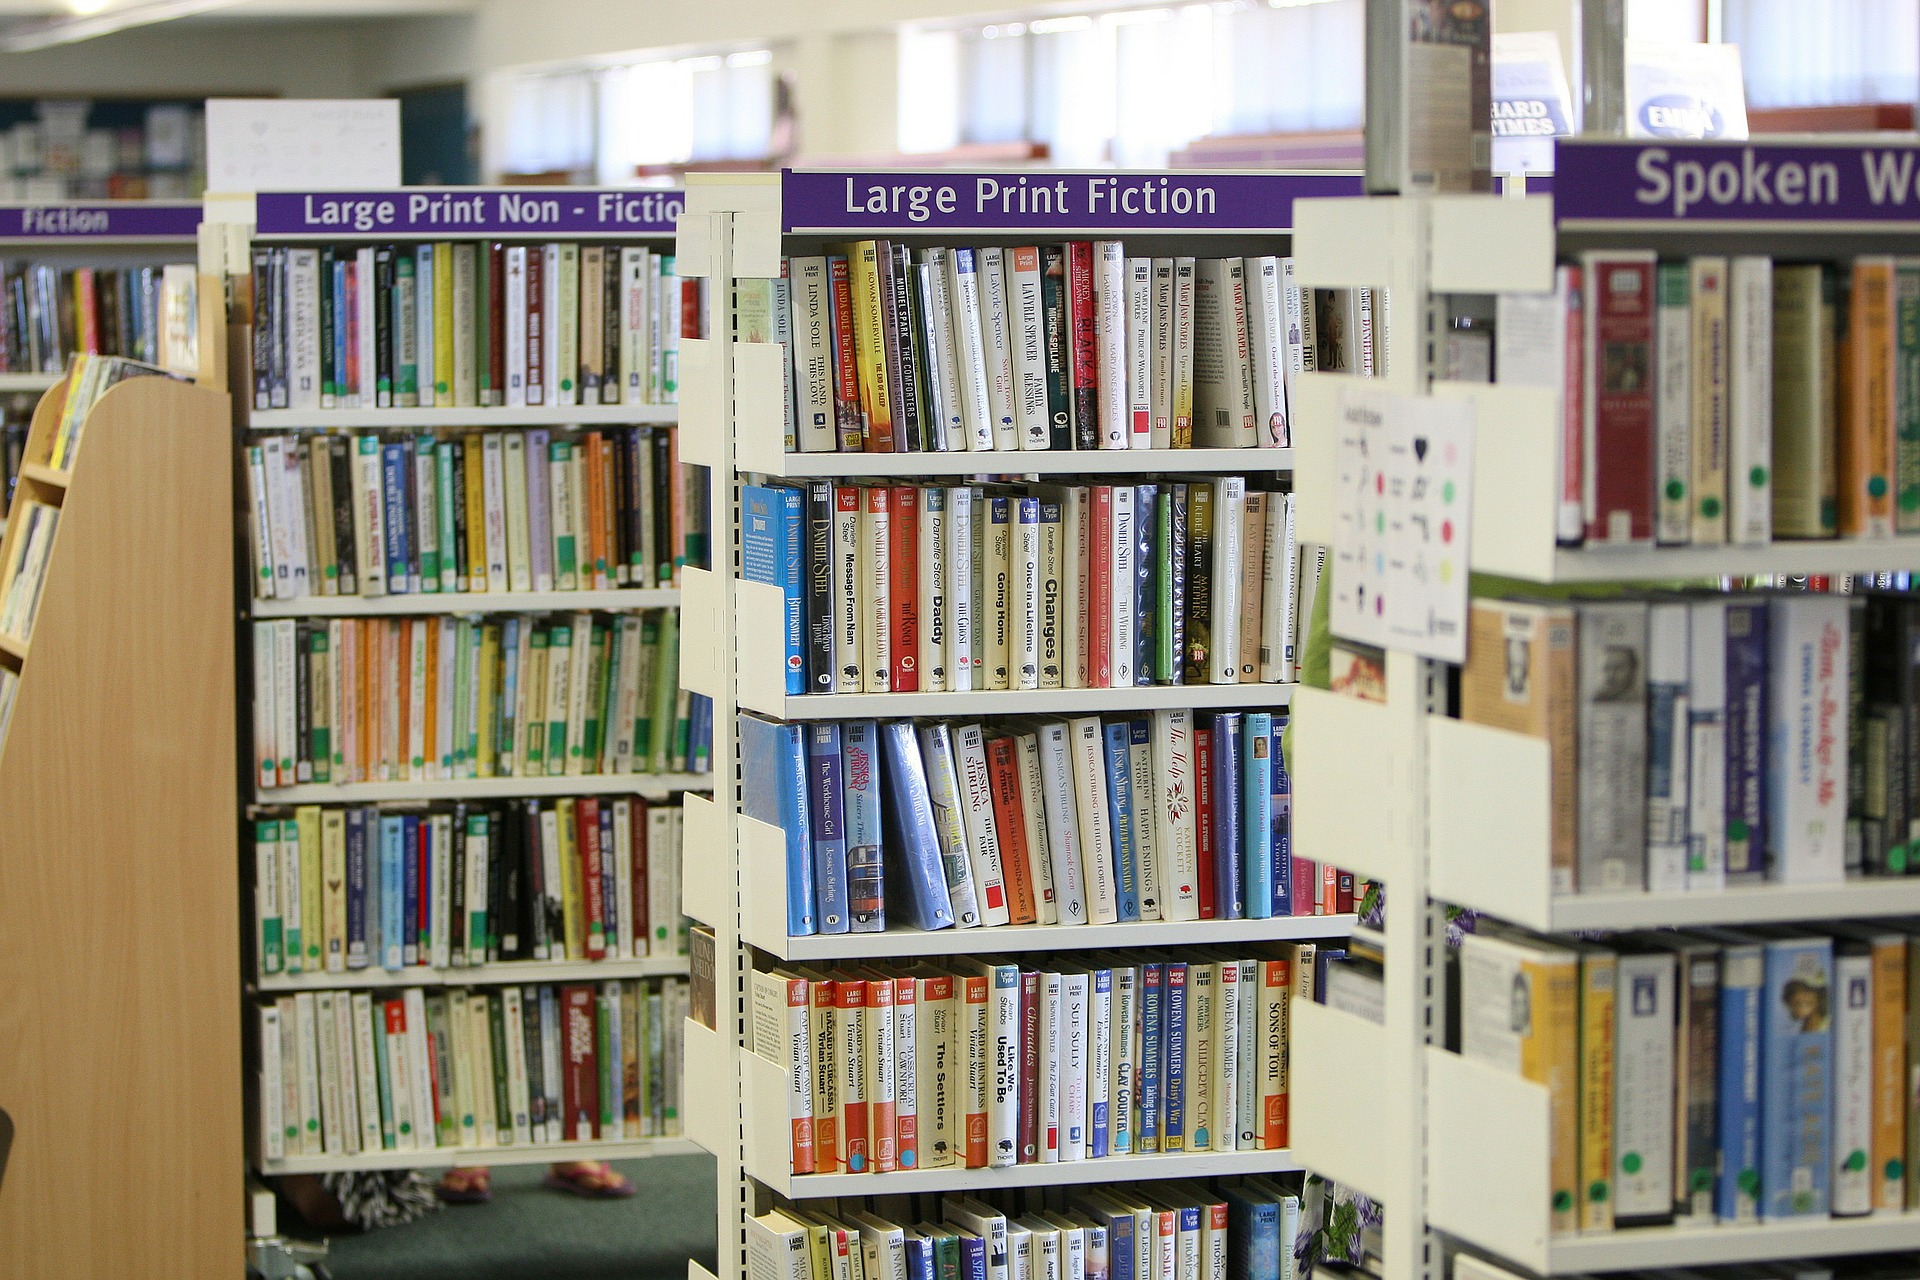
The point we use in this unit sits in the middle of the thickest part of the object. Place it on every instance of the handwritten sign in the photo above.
(1757, 181)
(1050, 199)
(292, 144)
(470, 211)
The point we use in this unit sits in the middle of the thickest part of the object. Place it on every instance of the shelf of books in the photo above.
(467, 526)
(116, 777)
(1666, 820)
(1001, 636)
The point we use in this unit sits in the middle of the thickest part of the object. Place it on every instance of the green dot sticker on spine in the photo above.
(1702, 1180)
(1749, 1181)
(1895, 1169)
(1597, 1191)
(1757, 477)
(405, 1127)
(1856, 1160)
(1676, 490)
(1877, 487)
(1562, 1201)
(1737, 830)
(1710, 507)
(1631, 1162)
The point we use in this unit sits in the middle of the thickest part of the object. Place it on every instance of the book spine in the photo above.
(1082, 332)
(1750, 396)
(1620, 312)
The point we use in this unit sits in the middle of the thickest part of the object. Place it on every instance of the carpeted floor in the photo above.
(531, 1233)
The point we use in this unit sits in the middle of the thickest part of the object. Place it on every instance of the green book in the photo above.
(476, 638)
(559, 662)
(607, 699)
(426, 461)
(318, 645)
(1906, 405)
(566, 544)
(383, 1073)
(502, 1099)
(266, 888)
(535, 696)
(665, 684)
(291, 883)
(482, 327)
(597, 663)
(406, 333)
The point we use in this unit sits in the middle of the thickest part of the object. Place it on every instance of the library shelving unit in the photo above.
(459, 216)
(738, 229)
(116, 777)
(1457, 1151)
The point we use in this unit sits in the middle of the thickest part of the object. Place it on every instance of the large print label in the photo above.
(470, 211)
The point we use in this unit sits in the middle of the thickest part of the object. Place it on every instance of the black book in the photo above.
(496, 888)
(329, 376)
(510, 832)
(817, 563)
(345, 549)
(457, 887)
(912, 424)
(613, 376)
(1053, 323)
(461, 567)
(536, 1058)
(533, 921)
(303, 704)
(620, 446)
(1145, 522)
(633, 517)
(383, 326)
(664, 478)
(263, 328)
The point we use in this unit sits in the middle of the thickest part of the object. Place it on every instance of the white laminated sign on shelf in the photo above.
(1404, 468)
(302, 144)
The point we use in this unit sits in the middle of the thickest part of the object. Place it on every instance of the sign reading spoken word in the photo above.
(470, 211)
(1402, 504)
(293, 144)
(1050, 199)
(1759, 181)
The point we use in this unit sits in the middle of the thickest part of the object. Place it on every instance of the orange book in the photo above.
(86, 312)
(883, 1136)
(373, 706)
(1866, 431)
(609, 505)
(1010, 822)
(1272, 1037)
(850, 1012)
(826, 1081)
(430, 735)
(475, 446)
(1889, 1072)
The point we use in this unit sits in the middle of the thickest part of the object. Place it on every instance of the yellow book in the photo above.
(476, 501)
(1804, 316)
(443, 324)
(1866, 431)
(1597, 972)
(312, 911)
(333, 875)
(63, 430)
(1519, 1012)
(1707, 287)
(489, 681)
(869, 343)
(1889, 1072)
(570, 900)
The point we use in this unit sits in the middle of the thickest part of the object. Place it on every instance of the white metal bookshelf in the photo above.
(515, 216)
(731, 397)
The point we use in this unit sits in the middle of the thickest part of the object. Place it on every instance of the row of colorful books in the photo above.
(465, 325)
(88, 378)
(918, 587)
(592, 878)
(344, 1073)
(1056, 346)
(9, 687)
(1714, 1075)
(1238, 1228)
(336, 515)
(48, 313)
(1726, 399)
(997, 1062)
(518, 695)
(1179, 815)
(25, 571)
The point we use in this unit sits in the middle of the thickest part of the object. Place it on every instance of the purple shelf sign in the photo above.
(1762, 181)
(469, 212)
(101, 220)
(1049, 200)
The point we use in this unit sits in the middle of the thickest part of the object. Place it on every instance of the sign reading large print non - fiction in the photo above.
(470, 211)
(1740, 182)
(1050, 199)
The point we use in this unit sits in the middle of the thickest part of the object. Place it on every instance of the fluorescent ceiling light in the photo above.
(1049, 26)
(46, 34)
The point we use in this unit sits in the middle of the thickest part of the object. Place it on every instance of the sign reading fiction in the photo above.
(110, 220)
(1737, 182)
(467, 211)
(1198, 201)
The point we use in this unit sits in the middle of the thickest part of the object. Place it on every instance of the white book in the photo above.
(1267, 347)
(285, 706)
(1222, 401)
(514, 491)
(997, 339)
(579, 681)
(1643, 1084)
(1026, 752)
(1123, 1059)
(1852, 1138)
(1075, 535)
(1100, 1038)
(883, 1243)
(1806, 786)
(292, 503)
(622, 941)
(984, 1221)
(289, 1082)
(1250, 1115)
(812, 355)
(1022, 1256)
(1120, 553)
(1750, 396)
(370, 523)
(288, 850)
(1173, 815)
(1146, 842)
(1225, 1086)
(442, 910)
(279, 516)
(345, 1073)
(782, 317)
(1052, 1063)
(307, 1045)
(1301, 356)
(1202, 1045)
(997, 579)
(1048, 1251)
(266, 718)
(567, 572)
(1029, 350)
(551, 323)
(494, 495)
(846, 591)
(266, 567)
(1673, 403)
(1706, 750)
(983, 839)
(1229, 538)
(782, 1029)
(460, 1044)
(943, 356)
(1281, 572)
(777, 1248)
(415, 655)
(1096, 826)
(1139, 353)
(1668, 738)
(1054, 743)
(626, 706)
(303, 328)
(479, 1035)
(420, 1068)
(946, 794)
(963, 673)
(427, 369)
(933, 589)
(1050, 606)
(970, 349)
(1075, 1058)
(663, 875)
(366, 1078)
(1025, 605)
(273, 1138)
(1160, 388)
(935, 1053)
(1110, 342)
(876, 551)
(516, 326)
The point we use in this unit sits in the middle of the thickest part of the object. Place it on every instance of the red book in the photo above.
(1010, 822)
(1099, 568)
(497, 321)
(903, 566)
(826, 1120)
(423, 916)
(846, 374)
(1085, 365)
(1573, 411)
(1203, 816)
(580, 1075)
(1276, 975)
(1342, 892)
(1619, 301)
(850, 1003)
(536, 328)
(642, 938)
(350, 376)
(593, 895)
(883, 1135)
(690, 323)
(1306, 886)
(1329, 890)
(86, 311)
(1029, 1065)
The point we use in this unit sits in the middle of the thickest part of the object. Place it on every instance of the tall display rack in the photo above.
(1457, 1152)
(483, 218)
(732, 392)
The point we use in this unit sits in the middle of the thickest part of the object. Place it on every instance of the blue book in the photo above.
(1229, 872)
(1146, 1128)
(919, 1256)
(1173, 1051)
(1737, 1087)
(1097, 1122)
(1280, 820)
(699, 733)
(357, 888)
(1256, 798)
(1123, 1247)
(911, 842)
(773, 766)
(392, 892)
(1120, 814)
(860, 775)
(1746, 739)
(1253, 1235)
(770, 523)
(1145, 613)
(973, 1256)
(394, 495)
(827, 816)
(410, 889)
(608, 876)
(1796, 1077)
(341, 386)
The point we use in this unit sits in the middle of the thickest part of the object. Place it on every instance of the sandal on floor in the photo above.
(593, 1181)
(475, 1186)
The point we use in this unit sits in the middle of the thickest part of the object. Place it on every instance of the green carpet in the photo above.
(530, 1233)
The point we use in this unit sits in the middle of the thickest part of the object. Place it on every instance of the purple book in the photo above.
(825, 807)
(539, 524)
(1746, 739)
